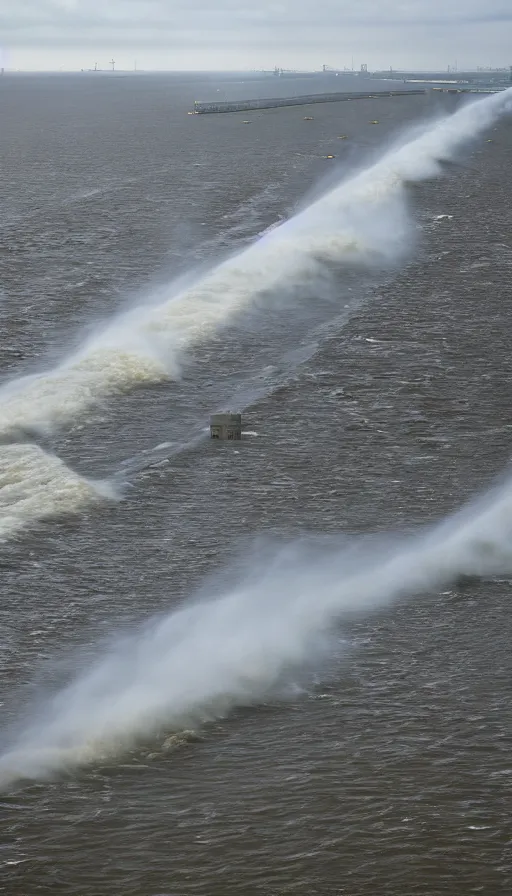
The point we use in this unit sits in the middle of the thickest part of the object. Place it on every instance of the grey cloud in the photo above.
(172, 22)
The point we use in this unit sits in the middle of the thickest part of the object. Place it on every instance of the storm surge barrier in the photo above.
(276, 102)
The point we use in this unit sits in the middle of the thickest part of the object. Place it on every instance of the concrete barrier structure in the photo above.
(226, 427)
(251, 105)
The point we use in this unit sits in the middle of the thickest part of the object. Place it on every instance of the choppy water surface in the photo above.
(213, 681)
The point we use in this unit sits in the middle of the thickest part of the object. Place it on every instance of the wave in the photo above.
(226, 650)
(35, 485)
(363, 220)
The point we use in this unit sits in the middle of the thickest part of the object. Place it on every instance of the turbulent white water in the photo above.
(36, 485)
(235, 649)
(361, 220)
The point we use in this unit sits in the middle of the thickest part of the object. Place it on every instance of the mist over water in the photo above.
(362, 221)
(236, 646)
(246, 643)
(367, 744)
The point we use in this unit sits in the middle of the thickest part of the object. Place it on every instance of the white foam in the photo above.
(35, 485)
(363, 219)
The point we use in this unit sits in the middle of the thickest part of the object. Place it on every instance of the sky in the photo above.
(49, 35)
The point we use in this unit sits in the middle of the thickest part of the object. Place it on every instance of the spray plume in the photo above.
(225, 650)
(362, 220)
(235, 649)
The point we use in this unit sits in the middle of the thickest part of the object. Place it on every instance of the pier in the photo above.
(276, 103)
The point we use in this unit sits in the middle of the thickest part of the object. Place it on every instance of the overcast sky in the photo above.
(242, 34)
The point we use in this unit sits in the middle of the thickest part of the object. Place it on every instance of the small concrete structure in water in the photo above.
(226, 427)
